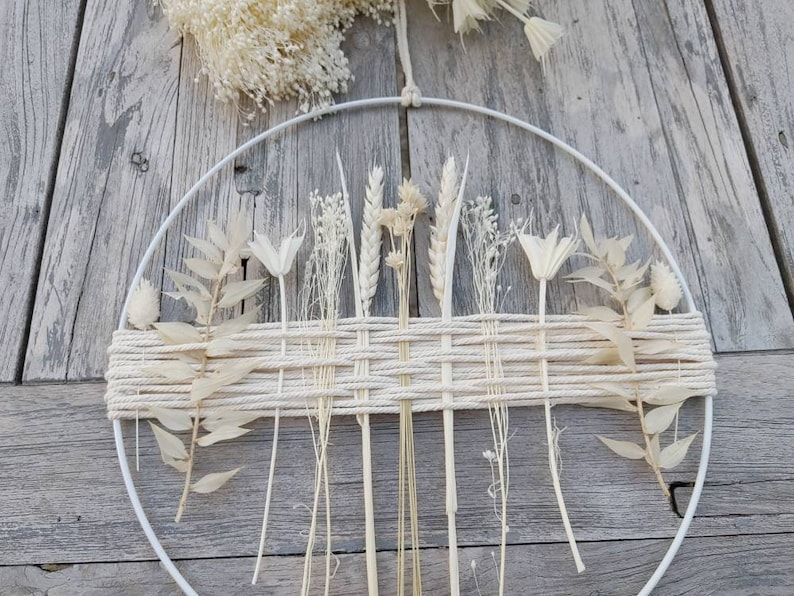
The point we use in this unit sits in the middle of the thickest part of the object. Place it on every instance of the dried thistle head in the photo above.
(665, 287)
(144, 308)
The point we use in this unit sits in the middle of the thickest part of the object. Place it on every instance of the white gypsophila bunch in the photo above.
(486, 247)
(272, 50)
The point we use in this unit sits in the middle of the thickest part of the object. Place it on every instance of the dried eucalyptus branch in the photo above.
(624, 283)
(546, 256)
(400, 224)
(221, 252)
(278, 264)
(486, 248)
(322, 285)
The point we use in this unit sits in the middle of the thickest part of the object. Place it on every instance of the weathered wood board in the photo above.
(656, 117)
(112, 187)
(608, 498)
(758, 46)
(735, 565)
(36, 44)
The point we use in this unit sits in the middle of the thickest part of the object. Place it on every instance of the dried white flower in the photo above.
(542, 35)
(665, 287)
(547, 255)
(466, 14)
(279, 262)
(395, 260)
(144, 308)
(412, 197)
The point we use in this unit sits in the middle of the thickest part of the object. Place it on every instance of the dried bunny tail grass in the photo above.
(439, 233)
(144, 308)
(369, 254)
(272, 50)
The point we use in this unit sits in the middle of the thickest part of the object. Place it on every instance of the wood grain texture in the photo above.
(68, 447)
(112, 186)
(759, 51)
(736, 262)
(739, 566)
(647, 121)
(36, 41)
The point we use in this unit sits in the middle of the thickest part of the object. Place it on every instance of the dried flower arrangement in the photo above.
(628, 358)
(276, 50)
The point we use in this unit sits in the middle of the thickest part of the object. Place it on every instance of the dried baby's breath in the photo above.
(272, 50)
(487, 247)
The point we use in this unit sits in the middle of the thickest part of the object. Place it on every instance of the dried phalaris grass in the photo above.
(400, 224)
(546, 256)
(368, 276)
(322, 284)
(441, 257)
(221, 258)
(624, 283)
(486, 249)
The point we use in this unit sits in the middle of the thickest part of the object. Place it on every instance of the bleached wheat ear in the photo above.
(439, 233)
(369, 253)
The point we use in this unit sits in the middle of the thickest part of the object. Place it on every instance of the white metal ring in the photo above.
(426, 101)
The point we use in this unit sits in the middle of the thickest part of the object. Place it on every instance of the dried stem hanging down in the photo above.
(486, 248)
(400, 224)
(546, 256)
(441, 256)
(212, 367)
(324, 273)
(368, 276)
(278, 264)
(624, 283)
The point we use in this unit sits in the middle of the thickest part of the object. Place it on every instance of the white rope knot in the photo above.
(411, 96)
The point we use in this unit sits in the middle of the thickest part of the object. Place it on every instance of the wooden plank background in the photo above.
(687, 104)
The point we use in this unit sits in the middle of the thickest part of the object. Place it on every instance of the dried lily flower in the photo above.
(278, 263)
(664, 286)
(144, 308)
(547, 255)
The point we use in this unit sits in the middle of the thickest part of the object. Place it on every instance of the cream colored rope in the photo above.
(569, 342)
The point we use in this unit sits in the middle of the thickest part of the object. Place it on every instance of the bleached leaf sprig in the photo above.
(207, 361)
(635, 303)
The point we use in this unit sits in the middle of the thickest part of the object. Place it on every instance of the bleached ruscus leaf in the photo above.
(224, 433)
(674, 454)
(659, 419)
(173, 370)
(177, 420)
(237, 291)
(171, 447)
(670, 394)
(625, 449)
(212, 482)
(174, 333)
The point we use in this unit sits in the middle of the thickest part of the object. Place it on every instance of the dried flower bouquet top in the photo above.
(274, 50)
